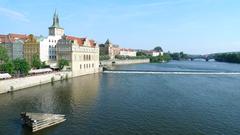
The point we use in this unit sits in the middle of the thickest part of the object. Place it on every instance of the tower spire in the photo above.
(55, 19)
(55, 29)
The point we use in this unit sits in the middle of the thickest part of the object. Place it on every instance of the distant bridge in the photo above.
(206, 57)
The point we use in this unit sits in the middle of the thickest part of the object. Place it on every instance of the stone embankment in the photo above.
(123, 62)
(14, 84)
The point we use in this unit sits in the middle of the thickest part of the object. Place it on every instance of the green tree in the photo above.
(36, 62)
(175, 56)
(158, 48)
(228, 57)
(7, 67)
(3, 55)
(164, 58)
(21, 66)
(104, 57)
(141, 54)
(62, 63)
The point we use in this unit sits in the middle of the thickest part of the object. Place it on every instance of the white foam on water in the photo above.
(173, 73)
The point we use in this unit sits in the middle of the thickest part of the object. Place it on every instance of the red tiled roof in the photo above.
(12, 37)
(125, 49)
(20, 36)
(79, 40)
(4, 39)
(92, 43)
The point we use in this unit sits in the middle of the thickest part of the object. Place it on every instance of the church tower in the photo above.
(55, 29)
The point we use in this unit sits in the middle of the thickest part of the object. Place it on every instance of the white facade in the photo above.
(129, 53)
(48, 49)
(155, 53)
(161, 53)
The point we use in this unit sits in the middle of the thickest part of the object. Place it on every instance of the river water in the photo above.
(134, 104)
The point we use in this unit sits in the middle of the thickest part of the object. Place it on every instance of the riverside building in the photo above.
(128, 52)
(109, 49)
(31, 47)
(13, 43)
(82, 54)
(154, 53)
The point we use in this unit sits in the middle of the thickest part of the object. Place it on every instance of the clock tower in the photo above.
(55, 29)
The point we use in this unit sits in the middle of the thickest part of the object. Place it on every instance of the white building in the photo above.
(128, 52)
(153, 53)
(82, 54)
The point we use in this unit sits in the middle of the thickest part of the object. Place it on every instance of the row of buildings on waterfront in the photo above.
(113, 50)
(82, 53)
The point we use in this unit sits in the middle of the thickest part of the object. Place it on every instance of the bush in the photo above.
(3, 55)
(104, 57)
(62, 63)
(166, 57)
(7, 67)
(36, 62)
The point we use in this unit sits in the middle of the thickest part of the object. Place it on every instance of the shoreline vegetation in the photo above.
(228, 57)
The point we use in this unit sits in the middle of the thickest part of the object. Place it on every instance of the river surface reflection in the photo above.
(141, 104)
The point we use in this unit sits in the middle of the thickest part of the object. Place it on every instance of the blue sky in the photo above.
(192, 26)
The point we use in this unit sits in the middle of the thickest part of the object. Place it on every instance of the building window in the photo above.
(92, 65)
(80, 66)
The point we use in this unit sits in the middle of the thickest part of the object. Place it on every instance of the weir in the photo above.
(169, 72)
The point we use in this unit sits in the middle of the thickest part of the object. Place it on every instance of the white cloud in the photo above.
(13, 14)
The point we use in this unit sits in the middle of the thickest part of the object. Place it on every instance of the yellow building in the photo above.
(31, 47)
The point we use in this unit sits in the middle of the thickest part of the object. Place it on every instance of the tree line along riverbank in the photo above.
(228, 57)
